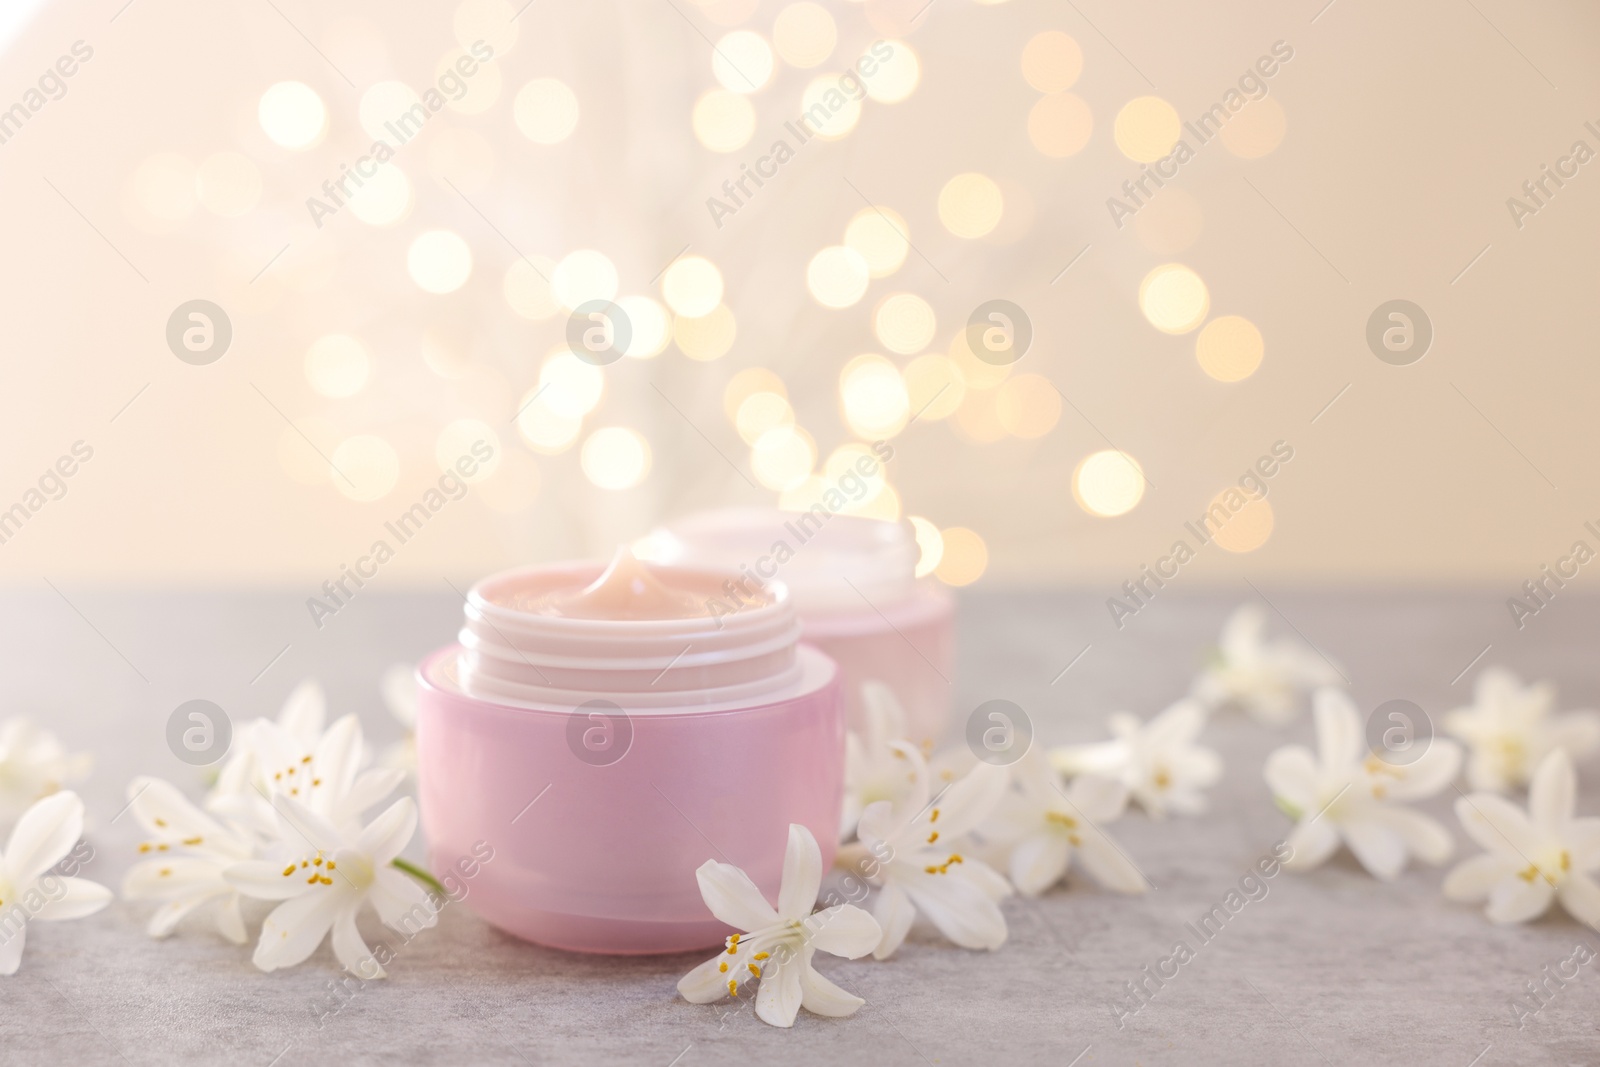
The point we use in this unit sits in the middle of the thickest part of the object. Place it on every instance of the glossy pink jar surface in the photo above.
(599, 815)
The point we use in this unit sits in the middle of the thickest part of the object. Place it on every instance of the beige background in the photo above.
(1408, 126)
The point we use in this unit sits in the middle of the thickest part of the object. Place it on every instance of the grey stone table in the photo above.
(1330, 967)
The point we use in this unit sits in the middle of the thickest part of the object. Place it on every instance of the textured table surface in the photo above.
(1330, 967)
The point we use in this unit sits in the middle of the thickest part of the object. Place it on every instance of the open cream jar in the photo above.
(606, 735)
(854, 584)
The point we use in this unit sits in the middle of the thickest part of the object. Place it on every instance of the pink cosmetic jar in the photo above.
(605, 734)
(855, 586)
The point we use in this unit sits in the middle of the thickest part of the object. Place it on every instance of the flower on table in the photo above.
(30, 889)
(1509, 729)
(910, 852)
(950, 763)
(326, 777)
(399, 687)
(1340, 795)
(286, 822)
(873, 769)
(33, 764)
(1531, 858)
(323, 873)
(776, 946)
(1264, 678)
(1045, 823)
(1158, 761)
(188, 853)
(300, 720)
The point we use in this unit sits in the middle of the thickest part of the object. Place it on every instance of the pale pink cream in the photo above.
(627, 591)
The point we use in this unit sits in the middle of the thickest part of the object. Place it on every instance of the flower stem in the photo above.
(420, 875)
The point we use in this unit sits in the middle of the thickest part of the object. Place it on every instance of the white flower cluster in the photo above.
(1347, 794)
(285, 822)
(917, 851)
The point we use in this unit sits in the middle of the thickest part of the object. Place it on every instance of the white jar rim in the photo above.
(742, 648)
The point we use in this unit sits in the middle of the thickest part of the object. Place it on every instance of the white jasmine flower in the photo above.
(949, 764)
(326, 777)
(44, 836)
(324, 874)
(1264, 678)
(400, 697)
(1347, 796)
(778, 944)
(33, 764)
(1509, 730)
(188, 853)
(873, 770)
(1046, 823)
(1531, 859)
(1158, 760)
(906, 851)
(300, 720)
